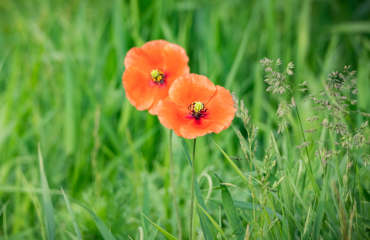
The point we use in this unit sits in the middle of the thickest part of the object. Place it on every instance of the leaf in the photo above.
(233, 165)
(159, 228)
(230, 211)
(187, 155)
(214, 223)
(145, 211)
(247, 205)
(251, 206)
(70, 109)
(75, 226)
(238, 59)
(104, 231)
(205, 223)
(352, 27)
(46, 200)
(319, 212)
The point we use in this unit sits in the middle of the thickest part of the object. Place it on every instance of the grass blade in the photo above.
(46, 200)
(5, 225)
(230, 211)
(162, 230)
(75, 226)
(233, 165)
(70, 114)
(185, 150)
(251, 206)
(214, 223)
(352, 28)
(104, 231)
(238, 59)
(205, 223)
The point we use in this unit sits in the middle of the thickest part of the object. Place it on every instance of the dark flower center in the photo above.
(158, 77)
(197, 110)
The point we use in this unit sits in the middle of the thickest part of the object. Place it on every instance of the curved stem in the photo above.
(173, 189)
(192, 192)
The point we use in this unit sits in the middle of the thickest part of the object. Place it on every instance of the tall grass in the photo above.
(60, 86)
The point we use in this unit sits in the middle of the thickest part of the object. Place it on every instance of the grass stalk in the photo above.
(316, 188)
(173, 187)
(192, 192)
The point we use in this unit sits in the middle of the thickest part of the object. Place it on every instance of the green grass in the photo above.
(60, 86)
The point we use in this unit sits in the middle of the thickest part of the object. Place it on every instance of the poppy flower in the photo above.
(150, 70)
(195, 107)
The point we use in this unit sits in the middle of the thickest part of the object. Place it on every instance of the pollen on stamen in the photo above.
(198, 106)
(197, 110)
(158, 77)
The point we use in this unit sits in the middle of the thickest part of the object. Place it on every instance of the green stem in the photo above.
(192, 192)
(307, 154)
(173, 189)
(304, 138)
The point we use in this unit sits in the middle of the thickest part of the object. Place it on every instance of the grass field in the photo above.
(77, 161)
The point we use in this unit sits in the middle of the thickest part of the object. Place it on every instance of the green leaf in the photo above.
(251, 206)
(319, 212)
(75, 226)
(70, 109)
(46, 200)
(185, 149)
(104, 231)
(214, 223)
(145, 211)
(233, 165)
(247, 205)
(205, 223)
(238, 59)
(162, 230)
(230, 211)
(352, 27)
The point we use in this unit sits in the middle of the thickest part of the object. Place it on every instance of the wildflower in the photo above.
(195, 107)
(150, 71)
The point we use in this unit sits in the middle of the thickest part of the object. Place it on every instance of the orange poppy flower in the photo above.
(150, 70)
(195, 107)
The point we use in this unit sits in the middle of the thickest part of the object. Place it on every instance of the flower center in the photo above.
(197, 110)
(158, 77)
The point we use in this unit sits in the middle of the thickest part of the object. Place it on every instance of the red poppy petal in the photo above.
(154, 50)
(221, 110)
(195, 128)
(159, 93)
(171, 115)
(138, 58)
(175, 62)
(191, 87)
(138, 89)
(140, 62)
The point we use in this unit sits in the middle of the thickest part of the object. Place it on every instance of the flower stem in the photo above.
(192, 191)
(173, 188)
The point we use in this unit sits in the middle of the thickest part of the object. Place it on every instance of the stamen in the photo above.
(198, 106)
(197, 110)
(158, 77)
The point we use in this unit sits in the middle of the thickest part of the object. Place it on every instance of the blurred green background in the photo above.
(60, 86)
